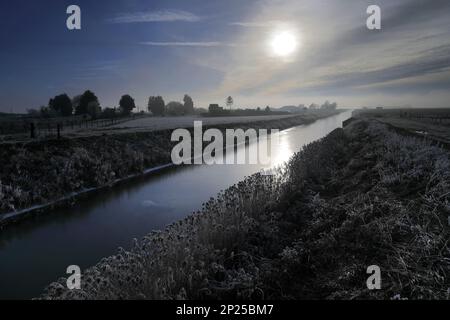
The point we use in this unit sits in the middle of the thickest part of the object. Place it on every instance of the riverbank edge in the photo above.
(9, 218)
(12, 217)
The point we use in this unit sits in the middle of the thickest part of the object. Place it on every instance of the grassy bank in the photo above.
(41, 172)
(360, 196)
(431, 123)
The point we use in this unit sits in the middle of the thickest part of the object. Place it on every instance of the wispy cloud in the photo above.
(156, 16)
(248, 24)
(185, 44)
(340, 57)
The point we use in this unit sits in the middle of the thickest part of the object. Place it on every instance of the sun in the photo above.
(284, 44)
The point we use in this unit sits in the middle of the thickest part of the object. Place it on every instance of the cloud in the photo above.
(184, 44)
(415, 11)
(156, 16)
(421, 74)
(435, 60)
(341, 56)
(253, 24)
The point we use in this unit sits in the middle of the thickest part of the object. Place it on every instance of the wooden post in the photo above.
(32, 131)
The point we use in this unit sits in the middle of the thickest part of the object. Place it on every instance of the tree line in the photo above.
(157, 106)
(88, 104)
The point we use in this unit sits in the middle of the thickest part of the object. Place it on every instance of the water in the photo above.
(37, 251)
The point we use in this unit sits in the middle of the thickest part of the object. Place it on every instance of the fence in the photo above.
(56, 127)
(430, 115)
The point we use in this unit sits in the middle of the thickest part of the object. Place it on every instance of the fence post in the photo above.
(58, 131)
(32, 131)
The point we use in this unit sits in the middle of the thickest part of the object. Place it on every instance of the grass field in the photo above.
(432, 123)
(142, 124)
(158, 123)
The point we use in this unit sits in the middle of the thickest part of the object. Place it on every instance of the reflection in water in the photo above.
(37, 251)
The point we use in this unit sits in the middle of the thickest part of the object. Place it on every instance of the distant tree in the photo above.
(61, 104)
(267, 109)
(313, 106)
(86, 98)
(175, 108)
(325, 106)
(33, 112)
(109, 113)
(76, 102)
(156, 105)
(46, 112)
(258, 109)
(229, 102)
(188, 104)
(94, 109)
(329, 106)
(127, 104)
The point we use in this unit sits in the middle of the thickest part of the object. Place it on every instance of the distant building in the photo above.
(215, 108)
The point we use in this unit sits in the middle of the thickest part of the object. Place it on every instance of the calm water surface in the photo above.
(37, 251)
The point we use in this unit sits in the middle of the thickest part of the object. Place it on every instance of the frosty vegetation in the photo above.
(360, 196)
(40, 172)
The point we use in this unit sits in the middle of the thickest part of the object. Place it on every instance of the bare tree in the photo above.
(230, 102)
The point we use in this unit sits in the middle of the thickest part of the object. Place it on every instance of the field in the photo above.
(19, 130)
(156, 123)
(433, 123)
(75, 127)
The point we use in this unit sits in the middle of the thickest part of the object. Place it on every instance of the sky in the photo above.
(211, 49)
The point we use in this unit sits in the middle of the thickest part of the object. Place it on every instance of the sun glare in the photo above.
(284, 44)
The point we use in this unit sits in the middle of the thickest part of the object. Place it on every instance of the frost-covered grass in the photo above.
(387, 204)
(40, 172)
(360, 196)
(187, 259)
(164, 123)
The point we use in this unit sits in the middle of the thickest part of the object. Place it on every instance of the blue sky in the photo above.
(212, 49)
